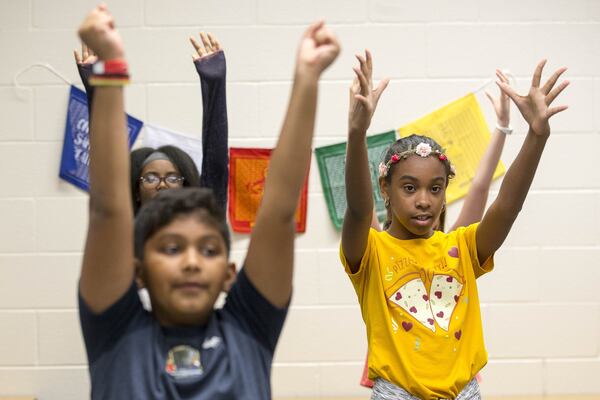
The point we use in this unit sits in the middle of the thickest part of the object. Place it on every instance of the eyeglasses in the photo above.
(152, 181)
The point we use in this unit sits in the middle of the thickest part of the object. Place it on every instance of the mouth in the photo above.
(422, 219)
(190, 286)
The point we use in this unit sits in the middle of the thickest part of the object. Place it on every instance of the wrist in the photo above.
(307, 73)
(504, 128)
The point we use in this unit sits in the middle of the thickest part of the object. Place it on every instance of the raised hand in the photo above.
(501, 104)
(98, 32)
(209, 45)
(363, 98)
(87, 56)
(535, 106)
(318, 48)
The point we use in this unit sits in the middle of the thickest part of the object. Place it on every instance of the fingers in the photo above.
(311, 31)
(502, 76)
(363, 100)
(199, 49)
(369, 62)
(382, 85)
(555, 92)
(214, 42)
(78, 59)
(489, 96)
(552, 80)
(206, 42)
(362, 79)
(508, 90)
(537, 75)
(556, 110)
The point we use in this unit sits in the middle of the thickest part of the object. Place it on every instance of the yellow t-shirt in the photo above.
(419, 301)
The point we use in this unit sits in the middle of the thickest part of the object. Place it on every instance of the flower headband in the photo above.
(423, 149)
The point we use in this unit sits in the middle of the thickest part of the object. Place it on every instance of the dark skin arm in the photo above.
(359, 214)
(536, 110)
(273, 235)
(108, 262)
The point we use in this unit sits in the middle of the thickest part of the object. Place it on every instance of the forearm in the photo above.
(214, 169)
(519, 176)
(85, 71)
(358, 177)
(476, 199)
(289, 161)
(109, 154)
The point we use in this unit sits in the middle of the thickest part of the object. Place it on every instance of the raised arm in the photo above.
(209, 61)
(535, 108)
(476, 198)
(84, 62)
(270, 258)
(359, 214)
(108, 264)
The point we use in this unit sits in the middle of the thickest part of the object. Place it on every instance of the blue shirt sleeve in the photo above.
(215, 161)
(248, 305)
(103, 329)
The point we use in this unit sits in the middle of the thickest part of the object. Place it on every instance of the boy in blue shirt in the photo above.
(184, 349)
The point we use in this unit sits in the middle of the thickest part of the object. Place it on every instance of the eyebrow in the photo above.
(412, 178)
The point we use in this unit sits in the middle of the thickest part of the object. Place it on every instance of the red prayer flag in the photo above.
(247, 175)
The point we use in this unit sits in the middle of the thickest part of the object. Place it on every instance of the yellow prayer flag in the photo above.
(460, 128)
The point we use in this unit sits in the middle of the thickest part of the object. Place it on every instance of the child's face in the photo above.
(416, 192)
(185, 269)
(161, 169)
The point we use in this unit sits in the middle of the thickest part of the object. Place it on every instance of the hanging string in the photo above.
(511, 80)
(46, 66)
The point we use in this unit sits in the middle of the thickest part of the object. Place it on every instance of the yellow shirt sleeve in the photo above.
(469, 237)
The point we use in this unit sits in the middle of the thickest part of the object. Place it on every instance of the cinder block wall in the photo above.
(541, 306)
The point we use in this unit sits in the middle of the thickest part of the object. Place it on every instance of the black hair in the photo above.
(410, 143)
(170, 204)
(180, 159)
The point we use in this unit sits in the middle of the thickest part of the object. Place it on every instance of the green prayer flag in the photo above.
(332, 160)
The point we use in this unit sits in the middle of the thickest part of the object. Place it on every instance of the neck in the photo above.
(399, 231)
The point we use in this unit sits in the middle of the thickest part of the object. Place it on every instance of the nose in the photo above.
(422, 201)
(192, 260)
(162, 184)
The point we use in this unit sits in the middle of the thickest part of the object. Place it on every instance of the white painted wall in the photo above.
(541, 305)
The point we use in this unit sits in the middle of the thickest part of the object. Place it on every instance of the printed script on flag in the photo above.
(460, 128)
(332, 164)
(248, 170)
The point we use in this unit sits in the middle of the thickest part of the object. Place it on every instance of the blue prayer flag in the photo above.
(75, 157)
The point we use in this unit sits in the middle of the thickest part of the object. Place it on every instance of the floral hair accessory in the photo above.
(423, 150)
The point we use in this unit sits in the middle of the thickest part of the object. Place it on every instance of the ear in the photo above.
(383, 187)
(139, 274)
(230, 277)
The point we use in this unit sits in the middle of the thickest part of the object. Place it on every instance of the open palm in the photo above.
(535, 106)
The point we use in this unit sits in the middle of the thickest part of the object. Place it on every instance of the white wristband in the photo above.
(507, 130)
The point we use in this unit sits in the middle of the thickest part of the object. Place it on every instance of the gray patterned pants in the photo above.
(384, 390)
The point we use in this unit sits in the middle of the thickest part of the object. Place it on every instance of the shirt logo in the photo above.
(211, 343)
(183, 362)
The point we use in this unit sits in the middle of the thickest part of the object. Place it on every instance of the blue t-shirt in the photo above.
(132, 357)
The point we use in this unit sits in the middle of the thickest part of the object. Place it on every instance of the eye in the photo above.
(436, 189)
(409, 188)
(170, 249)
(173, 179)
(150, 178)
(210, 250)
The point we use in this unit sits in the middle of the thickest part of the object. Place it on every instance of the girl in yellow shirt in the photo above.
(416, 286)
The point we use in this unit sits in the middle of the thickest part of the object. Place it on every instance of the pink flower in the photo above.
(443, 157)
(423, 149)
(395, 158)
(383, 170)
